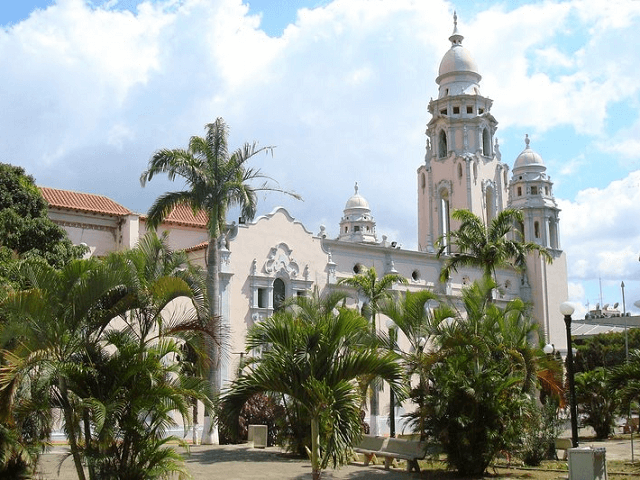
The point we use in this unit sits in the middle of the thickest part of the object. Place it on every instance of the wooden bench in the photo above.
(370, 446)
(408, 450)
(564, 444)
(391, 449)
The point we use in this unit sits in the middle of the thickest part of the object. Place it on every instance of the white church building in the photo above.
(276, 257)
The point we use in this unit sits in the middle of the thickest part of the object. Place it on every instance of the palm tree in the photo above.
(484, 374)
(53, 321)
(216, 180)
(100, 339)
(596, 405)
(312, 352)
(416, 315)
(375, 291)
(487, 247)
(624, 382)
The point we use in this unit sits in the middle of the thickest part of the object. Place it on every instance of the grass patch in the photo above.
(548, 470)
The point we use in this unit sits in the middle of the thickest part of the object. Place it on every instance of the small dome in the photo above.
(457, 59)
(357, 202)
(357, 224)
(528, 158)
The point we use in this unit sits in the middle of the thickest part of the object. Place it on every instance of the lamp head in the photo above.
(548, 349)
(566, 309)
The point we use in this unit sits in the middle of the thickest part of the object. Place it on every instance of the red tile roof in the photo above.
(85, 202)
(183, 215)
(195, 248)
(88, 202)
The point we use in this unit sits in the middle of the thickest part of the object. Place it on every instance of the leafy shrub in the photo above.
(539, 434)
(596, 404)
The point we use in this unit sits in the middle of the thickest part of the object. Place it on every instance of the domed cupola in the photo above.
(528, 161)
(530, 190)
(458, 73)
(357, 224)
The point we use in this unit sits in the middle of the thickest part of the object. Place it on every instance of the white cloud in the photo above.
(576, 292)
(523, 46)
(342, 94)
(572, 165)
(625, 144)
(119, 134)
(600, 230)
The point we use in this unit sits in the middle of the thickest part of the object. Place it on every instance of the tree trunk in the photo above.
(195, 422)
(71, 429)
(375, 410)
(210, 430)
(315, 448)
(374, 404)
(89, 451)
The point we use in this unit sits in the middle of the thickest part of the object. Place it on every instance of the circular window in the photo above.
(358, 268)
(415, 275)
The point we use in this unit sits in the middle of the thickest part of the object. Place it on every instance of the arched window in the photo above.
(445, 223)
(536, 229)
(442, 144)
(490, 204)
(486, 143)
(553, 234)
(279, 294)
(459, 170)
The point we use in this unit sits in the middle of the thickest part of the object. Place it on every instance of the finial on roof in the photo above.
(356, 188)
(526, 139)
(455, 38)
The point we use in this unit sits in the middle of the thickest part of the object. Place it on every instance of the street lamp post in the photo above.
(392, 407)
(567, 310)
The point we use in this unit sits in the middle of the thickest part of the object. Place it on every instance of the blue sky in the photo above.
(276, 14)
(91, 88)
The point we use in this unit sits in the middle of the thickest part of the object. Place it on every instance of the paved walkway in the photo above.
(616, 449)
(241, 462)
(238, 462)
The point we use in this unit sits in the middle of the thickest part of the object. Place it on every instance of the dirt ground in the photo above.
(241, 462)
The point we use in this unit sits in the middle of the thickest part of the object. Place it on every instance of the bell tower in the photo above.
(357, 223)
(462, 167)
(530, 191)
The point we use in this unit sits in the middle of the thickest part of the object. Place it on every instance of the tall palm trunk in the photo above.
(89, 448)
(315, 447)
(374, 404)
(195, 422)
(71, 429)
(210, 433)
